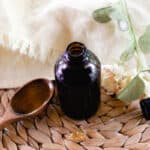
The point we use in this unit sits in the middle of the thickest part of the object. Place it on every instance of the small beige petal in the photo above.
(78, 136)
(109, 80)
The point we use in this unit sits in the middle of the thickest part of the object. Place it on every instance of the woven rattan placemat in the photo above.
(116, 126)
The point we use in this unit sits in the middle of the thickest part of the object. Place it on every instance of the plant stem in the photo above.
(131, 29)
(132, 34)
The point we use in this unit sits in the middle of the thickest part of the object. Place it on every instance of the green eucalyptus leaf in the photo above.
(102, 15)
(133, 90)
(127, 54)
(115, 14)
(144, 41)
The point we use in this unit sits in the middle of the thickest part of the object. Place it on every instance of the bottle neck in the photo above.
(76, 52)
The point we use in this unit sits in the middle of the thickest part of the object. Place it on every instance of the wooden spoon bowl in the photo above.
(29, 100)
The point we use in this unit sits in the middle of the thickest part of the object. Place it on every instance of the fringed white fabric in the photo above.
(36, 32)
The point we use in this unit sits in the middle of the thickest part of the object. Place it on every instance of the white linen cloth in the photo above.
(34, 33)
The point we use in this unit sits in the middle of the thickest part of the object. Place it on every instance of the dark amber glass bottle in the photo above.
(77, 75)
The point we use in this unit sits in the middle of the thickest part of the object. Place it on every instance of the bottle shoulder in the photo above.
(91, 58)
(83, 74)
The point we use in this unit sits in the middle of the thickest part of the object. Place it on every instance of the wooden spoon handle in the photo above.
(7, 118)
(3, 123)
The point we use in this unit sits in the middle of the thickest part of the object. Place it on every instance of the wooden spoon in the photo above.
(29, 100)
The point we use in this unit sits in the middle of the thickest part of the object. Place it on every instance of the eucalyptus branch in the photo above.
(137, 48)
(132, 34)
(131, 29)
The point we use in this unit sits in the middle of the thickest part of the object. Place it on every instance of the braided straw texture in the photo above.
(116, 126)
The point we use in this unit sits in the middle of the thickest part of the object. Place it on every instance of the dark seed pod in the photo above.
(145, 106)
